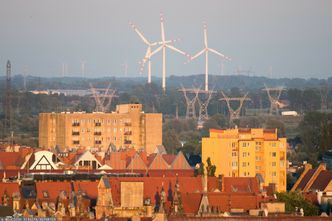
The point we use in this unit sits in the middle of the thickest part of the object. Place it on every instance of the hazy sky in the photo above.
(294, 38)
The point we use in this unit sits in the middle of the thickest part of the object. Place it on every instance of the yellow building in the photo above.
(127, 127)
(247, 152)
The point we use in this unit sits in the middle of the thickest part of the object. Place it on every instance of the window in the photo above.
(274, 164)
(234, 154)
(274, 173)
(244, 154)
(244, 144)
(258, 148)
(244, 164)
(274, 144)
(273, 154)
(45, 194)
(234, 164)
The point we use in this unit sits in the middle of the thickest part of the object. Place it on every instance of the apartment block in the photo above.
(247, 153)
(127, 127)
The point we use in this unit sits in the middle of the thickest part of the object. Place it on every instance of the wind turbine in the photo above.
(83, 68)
(147, 56)
(206, 50)
(148, 53)
(163, 45)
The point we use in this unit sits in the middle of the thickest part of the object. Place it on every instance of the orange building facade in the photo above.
(246, 153)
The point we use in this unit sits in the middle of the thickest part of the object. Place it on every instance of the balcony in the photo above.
(127, 124)
(127, 142)
(97, 133)
(76, 124)
(128, 133)
(75, 133)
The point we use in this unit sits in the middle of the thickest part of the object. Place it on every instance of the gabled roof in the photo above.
(314, 179)
(116, 160)
(180, 162)
(306, 179)
(322, 181)
(136, 163)
(158, 162)
(87, 155)
(160, 149)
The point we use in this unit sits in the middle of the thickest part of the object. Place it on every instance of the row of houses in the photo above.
(26, 158)
(143, 196)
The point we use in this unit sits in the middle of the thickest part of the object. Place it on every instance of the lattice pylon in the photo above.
(323, 91)
(203, 103)
(234, 113)
(190, 96)
(103, 100)
(274, 95)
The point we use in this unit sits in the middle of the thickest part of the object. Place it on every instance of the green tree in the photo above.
(296, 199)
(210, 168)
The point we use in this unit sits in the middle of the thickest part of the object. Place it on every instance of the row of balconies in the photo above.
(98, 124)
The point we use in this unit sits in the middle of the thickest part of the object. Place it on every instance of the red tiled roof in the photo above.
(89, 187)
(158, 162)
(169, 158)
(9, 188)
(191, 202)
(11, 159)
(52, 188)
(240, 185)
(152, 185)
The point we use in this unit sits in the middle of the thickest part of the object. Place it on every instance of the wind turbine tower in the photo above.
(163, 45)
(206, 51)
(234, 113)
(83, 69)
(148, 55)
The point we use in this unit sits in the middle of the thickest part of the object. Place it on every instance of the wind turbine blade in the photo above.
(162, 27)
(147, 53)
(205, 36)
(156, 51)
(218, 53)
(176, 49)
(140, 34)
(198, 54)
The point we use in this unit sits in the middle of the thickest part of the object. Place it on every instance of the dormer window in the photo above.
(45, 194)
